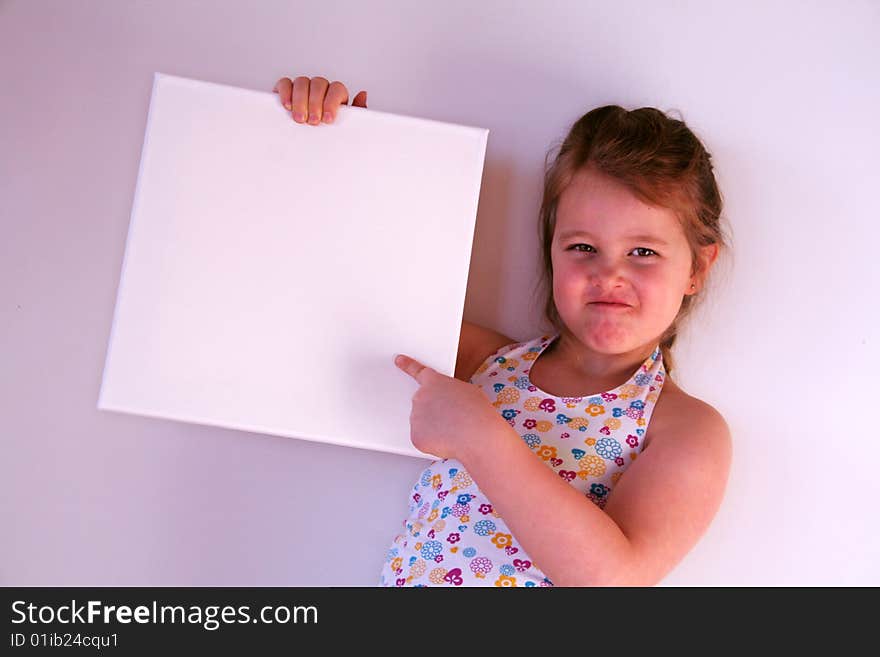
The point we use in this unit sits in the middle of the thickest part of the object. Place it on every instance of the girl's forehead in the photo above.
(598, 204)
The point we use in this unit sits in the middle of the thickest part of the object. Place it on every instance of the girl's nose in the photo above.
(605, 274)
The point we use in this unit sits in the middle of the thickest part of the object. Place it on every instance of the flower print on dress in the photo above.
(522, 383)
(481, 566)
(608, 448)
(595, 457)
(431, 549)
(506, 395)
(502, 541)
(484, 527)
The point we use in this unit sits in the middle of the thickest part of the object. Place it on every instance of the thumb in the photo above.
(360, 100)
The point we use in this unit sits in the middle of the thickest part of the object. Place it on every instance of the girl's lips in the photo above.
(602, 304)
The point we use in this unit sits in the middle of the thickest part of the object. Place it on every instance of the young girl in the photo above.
(533, 437)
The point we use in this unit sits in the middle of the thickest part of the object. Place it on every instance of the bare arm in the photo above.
(475, 344)
(657, 512)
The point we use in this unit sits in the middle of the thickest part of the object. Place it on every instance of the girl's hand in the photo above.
(448, 416)
(315, 99)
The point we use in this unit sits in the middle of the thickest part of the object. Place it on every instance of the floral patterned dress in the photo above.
(452, 535)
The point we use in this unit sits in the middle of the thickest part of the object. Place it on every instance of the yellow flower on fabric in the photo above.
(576, 423)
(595, 409)
(440, 525)
(546, 452)
(629, 390)
(435, 481)
(501, 541)
(612, 423)
(434, 513)
(593, 465)
(436, 576)
(532, 403)
(396, 563)
(508, 395)
(590, 441)
(505, 580)
(543, 426)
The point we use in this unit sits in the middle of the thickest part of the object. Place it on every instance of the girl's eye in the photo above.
(641, 248)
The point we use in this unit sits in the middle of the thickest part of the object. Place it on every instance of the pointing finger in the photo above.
(409, 365)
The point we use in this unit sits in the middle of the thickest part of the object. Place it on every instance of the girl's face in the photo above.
(609, 246)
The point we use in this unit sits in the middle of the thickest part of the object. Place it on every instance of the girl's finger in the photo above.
(360, 100)
(300, 99)
(317, 91)
(283, 88)
(337, 95)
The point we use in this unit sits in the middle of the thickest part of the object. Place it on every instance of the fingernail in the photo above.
(313, 118)
(398, 360)
(298, 116)
(287, 105)
(328, 117)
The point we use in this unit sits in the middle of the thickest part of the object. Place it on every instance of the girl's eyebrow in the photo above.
(638, 238)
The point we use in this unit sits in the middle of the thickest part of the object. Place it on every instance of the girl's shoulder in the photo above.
(475, 345)
(676, 412)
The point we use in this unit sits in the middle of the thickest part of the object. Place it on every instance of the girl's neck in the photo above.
(589, 365)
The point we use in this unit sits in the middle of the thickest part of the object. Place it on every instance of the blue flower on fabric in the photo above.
(508, 413)
(608, 448)
(507, 569)
(641, 432)
(599, 490)
(501, 360)
(532, 440)
(453, 472)
(642, 379)
(578, 453)
(412, 560)
(595, 400)
(426, 478)
(522, 383)
(484, 527)
(435, 504)
(445, 512)
(431, 549)
(638, 403)
(530, 583)
(561, 418)
(464, 498)
(617, 411)
(392, 553)
(498, 387)
(469, 552)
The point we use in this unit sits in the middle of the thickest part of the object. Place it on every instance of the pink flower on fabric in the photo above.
(454, 577)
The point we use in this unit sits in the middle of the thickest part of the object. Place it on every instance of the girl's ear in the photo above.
(707, 257)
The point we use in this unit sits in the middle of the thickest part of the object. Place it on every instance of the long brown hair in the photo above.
(661, 161)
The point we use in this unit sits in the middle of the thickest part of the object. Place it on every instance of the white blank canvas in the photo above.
(273, 269)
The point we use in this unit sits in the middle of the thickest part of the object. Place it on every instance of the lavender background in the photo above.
(784, 94)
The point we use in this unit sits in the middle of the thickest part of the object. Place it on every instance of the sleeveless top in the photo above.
(452, 536)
